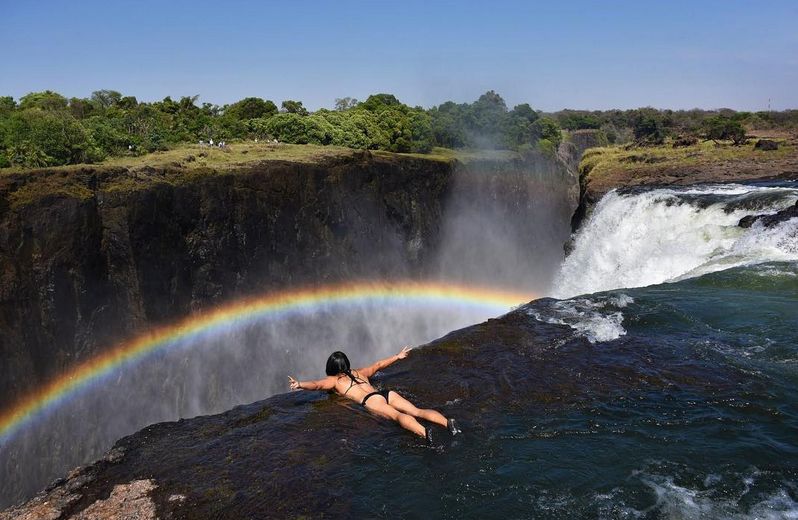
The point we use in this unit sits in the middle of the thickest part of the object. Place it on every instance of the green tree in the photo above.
(294, 128)
(80, 108)
(251, 108)
(108, 137)
(105, 99)
(168, 105)
(376, 102)
(487, 120)
(548, 129)
(128, 102)
(27, 155)
(725, 128)
(355, 129)
(578, 120)
(344, 104)
(648, 127)
(422, 139)
(47, 100)
(7, 105)
(294, 107)
(449, 125)
(57, 135)
(519, 126)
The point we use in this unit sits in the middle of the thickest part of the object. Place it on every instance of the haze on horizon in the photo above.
(677, 55)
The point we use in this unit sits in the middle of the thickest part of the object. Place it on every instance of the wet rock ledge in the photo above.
(300, 453)
(770, 220)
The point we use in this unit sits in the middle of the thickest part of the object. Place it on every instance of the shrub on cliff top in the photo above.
(548, 129)
(648, 126)
(251, 108)
(57, 135)
(720, 128)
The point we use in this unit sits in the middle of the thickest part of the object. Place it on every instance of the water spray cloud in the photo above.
(238, 313)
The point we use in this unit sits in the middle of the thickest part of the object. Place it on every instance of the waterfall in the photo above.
(636, 238)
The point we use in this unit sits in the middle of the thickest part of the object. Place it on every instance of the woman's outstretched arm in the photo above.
(383, 363)
(328, 383)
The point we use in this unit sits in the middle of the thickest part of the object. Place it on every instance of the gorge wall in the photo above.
(85, 265)
(95, 255)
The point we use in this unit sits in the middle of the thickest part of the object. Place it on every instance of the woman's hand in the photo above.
(293, 383)
(405, 351)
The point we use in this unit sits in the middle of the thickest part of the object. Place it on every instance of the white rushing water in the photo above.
(660, 235)
(597, 319)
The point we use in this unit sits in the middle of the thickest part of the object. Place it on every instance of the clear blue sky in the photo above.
(553, 55)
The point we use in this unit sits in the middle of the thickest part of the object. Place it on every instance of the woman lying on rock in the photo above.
(355, 385)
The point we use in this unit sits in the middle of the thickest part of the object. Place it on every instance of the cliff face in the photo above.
(78, 273)
(83, 266)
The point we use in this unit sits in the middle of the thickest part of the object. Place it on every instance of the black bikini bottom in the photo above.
(383, 393)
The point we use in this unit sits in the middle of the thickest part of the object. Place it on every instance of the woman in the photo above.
(355, 385)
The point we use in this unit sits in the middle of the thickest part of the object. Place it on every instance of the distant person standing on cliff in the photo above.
(355, 385)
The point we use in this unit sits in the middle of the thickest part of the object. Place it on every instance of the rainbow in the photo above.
(239, 313)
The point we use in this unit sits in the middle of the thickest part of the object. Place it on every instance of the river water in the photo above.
(687, 411)
(680, 400)
(662, 384)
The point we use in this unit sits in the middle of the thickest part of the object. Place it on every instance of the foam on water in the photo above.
(644, 238)
(597, 319)
(687, 502)
(672, 500)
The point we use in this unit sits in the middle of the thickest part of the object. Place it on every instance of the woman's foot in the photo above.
(428, 434)
(451, 425)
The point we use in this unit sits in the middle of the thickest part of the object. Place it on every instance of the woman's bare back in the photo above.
(355, 391)
(388, 404)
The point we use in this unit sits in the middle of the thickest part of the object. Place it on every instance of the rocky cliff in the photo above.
(94, 254)
(300, 453)
(80, 271)
(553, 426)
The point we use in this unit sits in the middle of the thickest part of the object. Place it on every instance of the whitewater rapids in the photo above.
(636, 238)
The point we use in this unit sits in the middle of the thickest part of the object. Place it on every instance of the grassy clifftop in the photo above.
(184, 164)
(603, 169)
(187, 163)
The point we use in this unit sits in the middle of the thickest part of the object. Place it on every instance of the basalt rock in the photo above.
(769, 221)
(79, 272)
(766, 145)
(310, 454)
(99, 258)
(685, 140)
(283, 457)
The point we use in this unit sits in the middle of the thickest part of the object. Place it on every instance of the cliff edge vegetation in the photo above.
(675, 162)
(187, 163)
(47, 129)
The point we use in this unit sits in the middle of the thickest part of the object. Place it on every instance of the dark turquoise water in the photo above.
(691, 412)
(672, 401)
(676, 400)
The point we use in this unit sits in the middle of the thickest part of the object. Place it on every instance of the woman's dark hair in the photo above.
(338, 363)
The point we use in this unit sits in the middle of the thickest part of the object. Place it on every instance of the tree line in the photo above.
(48, 129)
(645, 126)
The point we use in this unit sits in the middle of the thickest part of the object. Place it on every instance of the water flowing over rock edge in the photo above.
(666, 394)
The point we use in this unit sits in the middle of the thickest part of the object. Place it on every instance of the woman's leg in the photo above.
(377, 405)
(405, 406)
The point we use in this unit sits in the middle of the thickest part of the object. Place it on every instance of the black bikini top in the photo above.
(352, 383)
